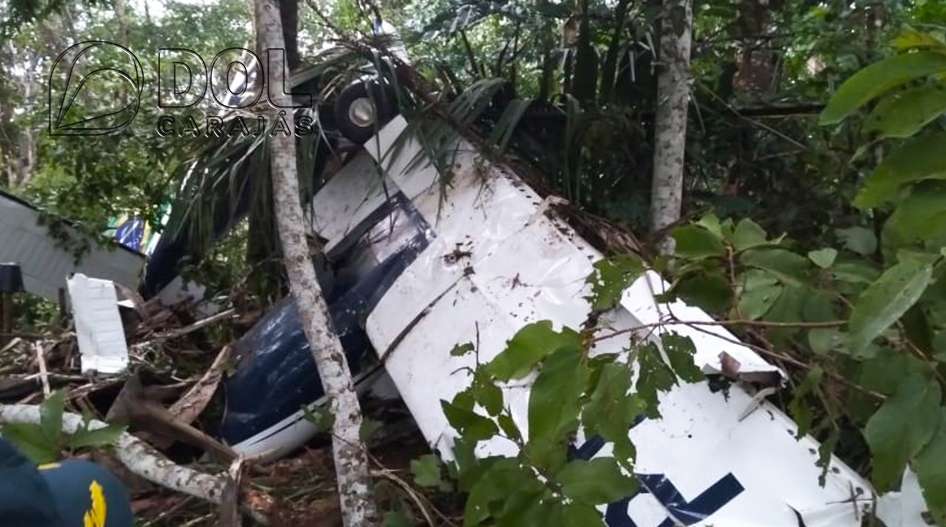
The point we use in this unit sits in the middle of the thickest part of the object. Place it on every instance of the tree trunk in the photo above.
(673, 94)
(350, 456)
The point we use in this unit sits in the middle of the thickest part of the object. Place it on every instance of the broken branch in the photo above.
(139, 457)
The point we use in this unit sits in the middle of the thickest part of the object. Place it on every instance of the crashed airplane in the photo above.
(418, 267)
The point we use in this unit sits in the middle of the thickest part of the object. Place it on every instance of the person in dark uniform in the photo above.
(71, 493)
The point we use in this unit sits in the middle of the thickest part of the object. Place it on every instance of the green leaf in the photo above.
(913, 39)
(503, 478)
(462, 349)
(800, 409)
(748, 234)
(878, 78)
(900, 429)
(581, 515)
(509, 427)
(680, 351)
(709, 291)
(818, 307)
(321, 417)
(711, 223)
(920, 159)
(654, 376)
(696, 242)
(507, 123)
(789, 305)
(50, 416)
(886, 300)
(554, 405)
(99, 437)
(426, 471)
(759, 293)
(930, 470)
(855, 272)
(397, 519)
(610, 278)
(822, 341)
(596, 481)
(31, 440)
(884, 372)
(610, 410)
(905, 113)
(530, 345)
(918, 218)
(788, 267)
(369, 427)
(859, 240)
(473, 426)
(823, 258)
(487, 394)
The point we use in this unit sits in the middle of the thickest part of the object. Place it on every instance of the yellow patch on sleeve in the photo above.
(48, 466)
(95, 517)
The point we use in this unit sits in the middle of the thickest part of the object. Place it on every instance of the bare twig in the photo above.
(43, 373)
(734, 322)
(200, 324)
(406, 487)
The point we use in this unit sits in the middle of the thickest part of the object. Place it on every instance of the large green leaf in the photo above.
(680, 351)
(553, 401)
(530, 345)
(580, 515)
(759, 293)
(426, 471)
(799, 407)
(610, 412)
(697, 242)
(789, 305)
(886, 300)
(913, 39)
(905, 113)
(789, 267)
(748, 234)
(596, 481)
(878, 78)
(50, 416)
(611, 276)
(499, 482)
(930, 468)
(31, 440)
(823, 258)
(919, 217)
(98, 437)
(902, 426)
(918, 160)
(860, 240)
(487, 393)
(708, 290)
(473, 426)
(654, 376)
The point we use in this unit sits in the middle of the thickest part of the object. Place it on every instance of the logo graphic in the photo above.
(94, 89)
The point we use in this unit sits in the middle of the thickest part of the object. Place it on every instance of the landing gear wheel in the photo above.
(362, 109)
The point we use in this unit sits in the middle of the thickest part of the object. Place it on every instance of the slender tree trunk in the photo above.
(122, 17)
(351, 458)
(673, 94)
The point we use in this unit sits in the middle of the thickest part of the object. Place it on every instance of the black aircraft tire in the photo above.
(380, 98)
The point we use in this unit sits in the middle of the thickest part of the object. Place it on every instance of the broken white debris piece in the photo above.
(98, 325)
